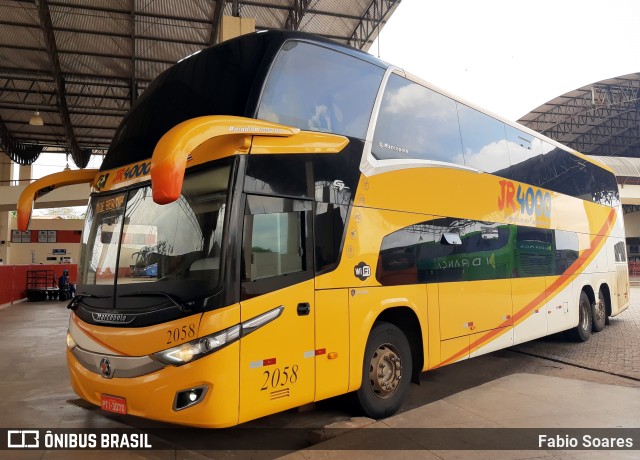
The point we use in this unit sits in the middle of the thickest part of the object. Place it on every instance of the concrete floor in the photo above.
(36, 393)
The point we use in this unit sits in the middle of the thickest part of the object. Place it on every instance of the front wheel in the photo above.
(582, 331)
(386, 371)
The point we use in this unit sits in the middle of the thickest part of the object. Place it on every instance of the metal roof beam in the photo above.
(370, 22)
(106, 34)
(86, 53)
(124, 12)
(273, 6)
(80, 158)
(20, 124)
(296, 14)
(205, 21)
(133, 90)
(77, 109)
(74, 78)
(19, 152)
(27, 91)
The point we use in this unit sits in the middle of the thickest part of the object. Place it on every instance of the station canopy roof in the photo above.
(598, 119)
(82, 63)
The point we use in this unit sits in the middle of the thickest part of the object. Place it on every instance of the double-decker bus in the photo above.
(321, 222)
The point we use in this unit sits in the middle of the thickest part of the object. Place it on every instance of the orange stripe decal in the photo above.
(575, 268)
(94, 338)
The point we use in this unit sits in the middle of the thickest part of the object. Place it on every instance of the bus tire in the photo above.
(386, 371)
(582, 331)
(599, 317)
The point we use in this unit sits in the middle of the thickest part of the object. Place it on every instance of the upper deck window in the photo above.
(418, 123)
(319, 89)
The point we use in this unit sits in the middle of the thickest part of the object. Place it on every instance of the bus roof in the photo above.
(225, 79)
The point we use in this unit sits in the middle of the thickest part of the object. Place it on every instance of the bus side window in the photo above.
(484, 141)
(415, 122)
(534, 252)
(275, 247)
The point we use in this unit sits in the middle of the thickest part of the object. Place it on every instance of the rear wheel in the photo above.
(582, 331)
(599, 316)
(386, 371)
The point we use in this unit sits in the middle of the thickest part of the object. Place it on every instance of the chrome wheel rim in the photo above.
(584, 317)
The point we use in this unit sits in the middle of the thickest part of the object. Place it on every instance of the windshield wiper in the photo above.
(78, 300)
(186, 307)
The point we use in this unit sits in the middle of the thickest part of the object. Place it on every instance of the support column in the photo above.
(25, 174)
(6, 167)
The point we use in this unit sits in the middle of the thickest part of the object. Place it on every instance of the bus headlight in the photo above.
(196, 349)
(71, 344)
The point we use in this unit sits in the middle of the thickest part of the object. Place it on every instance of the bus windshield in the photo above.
(133, 243)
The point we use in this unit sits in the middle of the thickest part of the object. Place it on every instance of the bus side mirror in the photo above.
(451, 239)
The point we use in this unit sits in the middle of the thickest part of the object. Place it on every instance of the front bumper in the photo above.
(153, 395)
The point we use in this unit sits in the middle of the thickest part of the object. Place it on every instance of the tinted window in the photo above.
(534, 255)
(524, 147)
(274, 241)
(567, 250)
(558, 170)
(483, 140)
(330, 222)
(317, 89)
(418, 123)
(277, 175)
(423, 252)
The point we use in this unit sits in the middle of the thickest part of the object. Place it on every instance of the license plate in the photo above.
(114, 404)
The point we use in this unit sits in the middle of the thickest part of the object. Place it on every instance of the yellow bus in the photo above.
(315, 222)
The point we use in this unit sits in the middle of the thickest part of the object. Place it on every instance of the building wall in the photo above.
(632, 232)
(33, 250)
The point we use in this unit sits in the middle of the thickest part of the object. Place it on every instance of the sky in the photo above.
(511, 56)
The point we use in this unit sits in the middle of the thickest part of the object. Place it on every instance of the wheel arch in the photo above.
(588, 289)
(407, 321)
(606, 291)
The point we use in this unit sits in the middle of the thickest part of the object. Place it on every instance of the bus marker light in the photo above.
(321, 351)
(332, 355)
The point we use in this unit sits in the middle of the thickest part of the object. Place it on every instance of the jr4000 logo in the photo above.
(530, 200)
(131, 172)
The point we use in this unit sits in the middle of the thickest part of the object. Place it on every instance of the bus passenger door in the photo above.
(277, 367)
